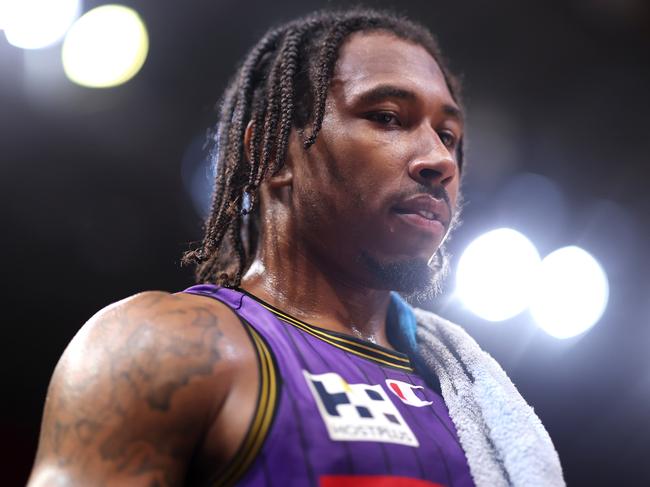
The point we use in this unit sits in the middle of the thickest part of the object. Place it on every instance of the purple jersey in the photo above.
(337, 411)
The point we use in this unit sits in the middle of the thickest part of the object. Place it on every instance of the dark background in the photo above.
(94, 204)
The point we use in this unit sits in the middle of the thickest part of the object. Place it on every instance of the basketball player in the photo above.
(339, 156)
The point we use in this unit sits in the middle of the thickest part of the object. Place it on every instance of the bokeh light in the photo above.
(496, 274)
(198, 175)
(571, 294)
(35, 24)
(106, 47)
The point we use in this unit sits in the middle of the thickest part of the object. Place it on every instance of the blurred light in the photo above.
(34, 24)
(106, 47)
(571, 294)
(496, 274)
(198, 174)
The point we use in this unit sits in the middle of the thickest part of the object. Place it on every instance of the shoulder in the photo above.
(151, 314)
(162, 343)
(170, 337)
(137, 386)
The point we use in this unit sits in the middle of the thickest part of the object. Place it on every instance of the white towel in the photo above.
(504, 440)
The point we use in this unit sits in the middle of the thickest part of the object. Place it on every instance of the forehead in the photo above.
(369, 58)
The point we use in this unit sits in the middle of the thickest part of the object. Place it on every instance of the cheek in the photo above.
(367, 162)
(340, 169)
(453, 190)
(351, 173)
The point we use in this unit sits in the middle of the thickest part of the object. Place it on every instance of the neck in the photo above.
(301, 284)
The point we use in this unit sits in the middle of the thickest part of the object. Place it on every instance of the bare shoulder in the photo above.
(182, 329)
(135, 390)
(158, 341)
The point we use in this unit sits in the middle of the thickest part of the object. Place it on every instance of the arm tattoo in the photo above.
(116, 406)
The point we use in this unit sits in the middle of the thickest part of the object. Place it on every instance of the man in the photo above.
(339, 151)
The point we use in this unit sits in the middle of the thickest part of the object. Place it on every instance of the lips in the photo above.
(429, 215)
(424, 211)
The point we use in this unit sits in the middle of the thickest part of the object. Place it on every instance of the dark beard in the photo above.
(416, 279)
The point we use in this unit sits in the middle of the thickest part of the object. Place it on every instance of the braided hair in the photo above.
(282, 84)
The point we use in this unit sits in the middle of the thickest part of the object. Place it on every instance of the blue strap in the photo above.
(402, 324)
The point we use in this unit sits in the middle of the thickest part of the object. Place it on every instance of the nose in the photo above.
(434, 165)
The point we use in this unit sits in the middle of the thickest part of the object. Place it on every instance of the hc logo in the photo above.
(358, 412)
(406, 392)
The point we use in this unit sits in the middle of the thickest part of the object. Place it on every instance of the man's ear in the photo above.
(284, 176)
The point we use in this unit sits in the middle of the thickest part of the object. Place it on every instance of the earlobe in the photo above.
(284, 177)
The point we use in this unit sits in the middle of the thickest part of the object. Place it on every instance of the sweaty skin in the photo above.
(159, 389)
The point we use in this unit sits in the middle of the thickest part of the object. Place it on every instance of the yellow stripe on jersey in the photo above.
(267, 400)
(347, 345)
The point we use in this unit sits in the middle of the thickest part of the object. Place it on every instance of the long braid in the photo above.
(279, 118)
(270, 119)
(228, 159)
(235, 235)
(322, 73)
(257, 131)
(282, 84)
(287, 87)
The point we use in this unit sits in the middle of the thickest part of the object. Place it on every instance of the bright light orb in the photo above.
(106, 47)
(571, 294)
(496, 274)
(35, 24)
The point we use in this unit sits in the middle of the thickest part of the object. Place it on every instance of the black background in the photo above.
(93, 205)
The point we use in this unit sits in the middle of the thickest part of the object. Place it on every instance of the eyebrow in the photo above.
(382, 92)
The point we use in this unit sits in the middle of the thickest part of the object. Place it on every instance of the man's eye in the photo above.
(384, 118)
(447, 138)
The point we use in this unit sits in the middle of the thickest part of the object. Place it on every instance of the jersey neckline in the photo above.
(349, 343)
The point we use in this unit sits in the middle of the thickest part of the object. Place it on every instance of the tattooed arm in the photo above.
(135, 391)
